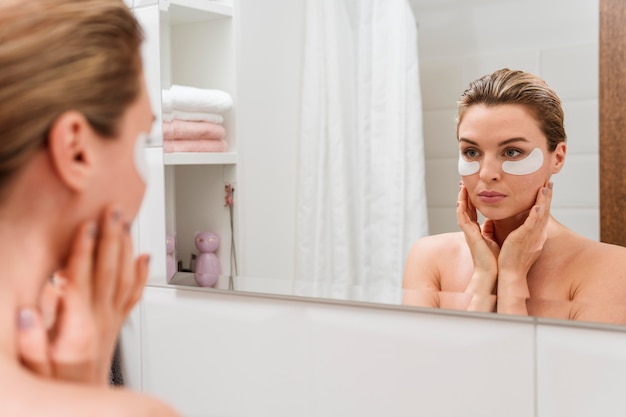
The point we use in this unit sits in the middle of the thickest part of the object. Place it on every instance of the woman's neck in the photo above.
(27, 260)
(505, 226)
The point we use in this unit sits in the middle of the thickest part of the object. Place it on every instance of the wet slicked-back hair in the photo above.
(506, 86)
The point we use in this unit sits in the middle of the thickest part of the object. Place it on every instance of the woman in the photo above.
(521, 260)
(74, 114)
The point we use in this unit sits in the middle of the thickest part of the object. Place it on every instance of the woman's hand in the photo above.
(85, 305)
(523, 246)
(519, 252)
(483, 248)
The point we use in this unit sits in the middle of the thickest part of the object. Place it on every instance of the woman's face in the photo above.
(504, 158)
(123, 179)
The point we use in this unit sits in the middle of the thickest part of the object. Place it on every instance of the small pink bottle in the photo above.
(208, 267)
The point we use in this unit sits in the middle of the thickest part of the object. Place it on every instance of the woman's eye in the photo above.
(471, 153)
(512, 153)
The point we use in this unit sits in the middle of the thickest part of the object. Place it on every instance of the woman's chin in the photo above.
(496, 214)
(502, 214)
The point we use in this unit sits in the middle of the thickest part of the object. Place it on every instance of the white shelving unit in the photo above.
(200, 158)
(186, 11)
(197, 49)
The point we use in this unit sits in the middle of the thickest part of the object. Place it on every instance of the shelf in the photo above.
(185, 11)
(200, 158)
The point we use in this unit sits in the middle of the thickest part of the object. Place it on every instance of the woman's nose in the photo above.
(490, 169)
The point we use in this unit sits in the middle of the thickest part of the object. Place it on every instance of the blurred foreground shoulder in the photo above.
(23, 394)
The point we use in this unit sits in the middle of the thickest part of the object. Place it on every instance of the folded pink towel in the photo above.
(201, 145)
(187, 130)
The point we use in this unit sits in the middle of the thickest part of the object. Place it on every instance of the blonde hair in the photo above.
(506, 86)
(61, 55)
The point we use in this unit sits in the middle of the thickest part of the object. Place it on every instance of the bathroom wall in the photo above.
(461, 40)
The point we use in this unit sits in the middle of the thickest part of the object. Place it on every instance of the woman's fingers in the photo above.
(142, 267)
(32, 341)
(78, 273)
(108, 256)
(540, 213)
(466, 215)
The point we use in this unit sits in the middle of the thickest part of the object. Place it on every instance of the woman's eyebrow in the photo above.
(512, 140)
(471, 142)
(504, 142)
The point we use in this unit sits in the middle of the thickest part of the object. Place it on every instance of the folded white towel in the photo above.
(166, 101)
(167, 117)
(192, 99)
(197, 116)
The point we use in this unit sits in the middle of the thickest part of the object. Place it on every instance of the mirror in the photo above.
(458, 41)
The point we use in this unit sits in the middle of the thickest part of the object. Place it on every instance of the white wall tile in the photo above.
(582, 126)
(363, 349)
(475, 67)
(440, 134)
(452, 28)
(583, 221)
(577, 184)
(572, 71)
(442, 220)
(203, 350)
(442, 181)
(441, 83)
(580, 372)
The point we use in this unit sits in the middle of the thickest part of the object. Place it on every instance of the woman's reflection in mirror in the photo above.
(520, 260)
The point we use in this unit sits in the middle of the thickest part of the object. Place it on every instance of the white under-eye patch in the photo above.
(466, 167)
(525, 166)
(140, 156)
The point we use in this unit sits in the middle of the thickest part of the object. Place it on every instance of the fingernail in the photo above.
(550, 185)
(538, 209)
(25, 319)
(544, 191)
(127, 227)
(147, 260)
(91, 230)
(116, 214)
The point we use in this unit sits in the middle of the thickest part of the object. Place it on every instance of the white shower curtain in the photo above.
(361, 188)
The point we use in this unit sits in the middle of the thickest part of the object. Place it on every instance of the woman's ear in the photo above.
(70, 151)
(558, 157)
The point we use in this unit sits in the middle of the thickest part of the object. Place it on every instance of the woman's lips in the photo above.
(491, 197)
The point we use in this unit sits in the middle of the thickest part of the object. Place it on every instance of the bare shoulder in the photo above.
(23, 394)
(598, 283)
(607, 259)
(437, 244)
(426, 257)
(599, 271)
